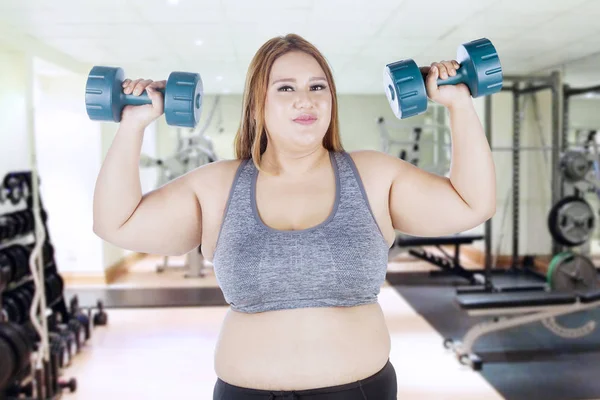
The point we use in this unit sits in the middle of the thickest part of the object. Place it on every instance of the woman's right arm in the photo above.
(165, 221)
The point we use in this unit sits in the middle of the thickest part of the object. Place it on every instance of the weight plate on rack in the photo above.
(571, 221)
(575, 165)
(570, 272)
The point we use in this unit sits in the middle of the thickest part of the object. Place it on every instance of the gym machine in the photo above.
(39, 335)
(571, 283)
(194, 149)
(410, 149)
(416, 246)
(448, 264)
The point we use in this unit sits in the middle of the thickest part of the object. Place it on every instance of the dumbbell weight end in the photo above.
(405, 92)
(480, 70)
(104, 102)
(104, 97)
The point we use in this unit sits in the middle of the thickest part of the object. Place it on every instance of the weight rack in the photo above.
(40, 336)
(521, 85)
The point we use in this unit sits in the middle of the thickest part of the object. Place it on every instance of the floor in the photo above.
(168, 353)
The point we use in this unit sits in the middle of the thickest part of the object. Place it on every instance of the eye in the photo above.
(319, 87)
(284, 89)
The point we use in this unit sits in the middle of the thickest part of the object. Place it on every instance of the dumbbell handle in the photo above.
(460, 77)
(133, 100)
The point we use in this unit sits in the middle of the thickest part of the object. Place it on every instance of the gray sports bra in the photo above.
(341, 262)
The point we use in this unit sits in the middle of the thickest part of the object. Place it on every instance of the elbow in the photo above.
(488, 212)
(102, 231)
(98, 231)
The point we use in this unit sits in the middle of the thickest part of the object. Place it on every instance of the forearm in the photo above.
(118, 189)
(472, 171)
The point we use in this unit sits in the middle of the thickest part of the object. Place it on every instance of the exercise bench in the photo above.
(511, 309)
(448, 264)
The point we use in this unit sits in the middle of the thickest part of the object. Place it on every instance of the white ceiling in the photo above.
(150, 38)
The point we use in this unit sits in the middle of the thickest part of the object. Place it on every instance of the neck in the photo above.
(281, 162)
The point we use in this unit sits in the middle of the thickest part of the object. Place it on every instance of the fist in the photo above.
(446, 95)
(143, 115)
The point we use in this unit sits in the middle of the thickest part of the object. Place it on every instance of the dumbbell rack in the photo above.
(34, 345)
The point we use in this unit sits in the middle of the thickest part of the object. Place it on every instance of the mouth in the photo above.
(305, 119)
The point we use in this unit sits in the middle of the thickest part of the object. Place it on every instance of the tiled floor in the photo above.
(168, 353)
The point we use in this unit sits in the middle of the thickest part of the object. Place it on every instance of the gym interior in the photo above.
(507, 310)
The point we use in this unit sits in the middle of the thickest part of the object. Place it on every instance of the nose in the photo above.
(303, 99)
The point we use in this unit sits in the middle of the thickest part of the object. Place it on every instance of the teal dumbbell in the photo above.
(182, 96)
(480, 70)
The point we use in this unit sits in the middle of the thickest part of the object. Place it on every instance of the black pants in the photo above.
(381, 386)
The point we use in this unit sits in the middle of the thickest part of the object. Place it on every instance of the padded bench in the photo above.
(414, 241)
(524, 299)
(590, 297)
(533, 306)
(514, 299)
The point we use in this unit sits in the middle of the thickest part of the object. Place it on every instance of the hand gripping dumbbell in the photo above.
(480, 70)
(105, 100)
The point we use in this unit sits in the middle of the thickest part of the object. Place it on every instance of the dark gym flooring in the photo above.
(527, 362)
(148, 297)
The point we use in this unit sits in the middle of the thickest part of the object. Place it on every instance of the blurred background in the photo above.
(47, 49)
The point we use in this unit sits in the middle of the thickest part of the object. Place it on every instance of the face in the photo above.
(298, 103)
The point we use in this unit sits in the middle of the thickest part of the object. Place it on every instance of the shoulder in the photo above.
(213, 177)
(376, 163)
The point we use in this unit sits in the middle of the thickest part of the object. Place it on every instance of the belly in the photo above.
(302, 348)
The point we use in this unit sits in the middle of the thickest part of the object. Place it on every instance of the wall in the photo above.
(68, 152)
(13, 113)
(71, 149)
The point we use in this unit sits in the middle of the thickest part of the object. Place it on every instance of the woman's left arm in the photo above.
(424, 204)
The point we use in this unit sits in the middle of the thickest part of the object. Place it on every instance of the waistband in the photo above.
(305, 392)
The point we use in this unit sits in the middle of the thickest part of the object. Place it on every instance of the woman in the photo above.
(298, 230)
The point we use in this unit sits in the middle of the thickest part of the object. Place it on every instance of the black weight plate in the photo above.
(5, 262)
(28, 221)
(29, 290)
(24, 305)
(19, 223)
(21, 182)
(18, 339)
(76, 327)
(24, 254)
(54, 288)
(14, 225)
(10, 227)
(4, 228)
(15, 191)
(567, 221)
(8, 366)
(20, 261)
(27, 296)
(48, 250)
(575, 165)
(18, 306)
(11, 308)
(85, 322)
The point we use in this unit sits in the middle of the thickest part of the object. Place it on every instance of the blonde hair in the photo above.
(251, 136)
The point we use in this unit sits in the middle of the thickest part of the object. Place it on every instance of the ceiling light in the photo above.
(219, 78)
(173, 2)
(199, 42)
(225, 91)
